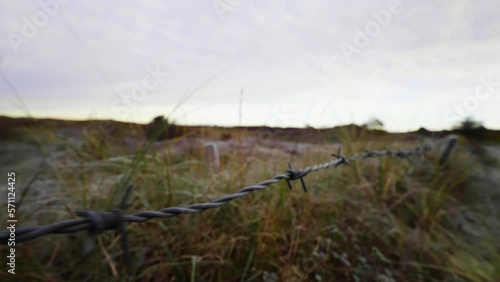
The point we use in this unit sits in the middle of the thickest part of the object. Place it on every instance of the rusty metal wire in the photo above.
(97, 221)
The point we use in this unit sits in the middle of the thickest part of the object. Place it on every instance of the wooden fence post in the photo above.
(212, 154)
(452, 141)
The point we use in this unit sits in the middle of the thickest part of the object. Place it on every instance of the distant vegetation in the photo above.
(472, 129)
(161, 129)
(374, 124)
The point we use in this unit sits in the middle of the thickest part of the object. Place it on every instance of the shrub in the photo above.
(162, 129)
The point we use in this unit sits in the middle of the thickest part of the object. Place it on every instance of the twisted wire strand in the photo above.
(107, 223)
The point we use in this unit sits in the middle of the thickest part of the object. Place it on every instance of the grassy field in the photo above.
(382, 219)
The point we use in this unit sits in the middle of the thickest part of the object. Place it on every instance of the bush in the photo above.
(471, 129)
(161, 129)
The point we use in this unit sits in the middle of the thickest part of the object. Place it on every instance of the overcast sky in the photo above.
(291, 63)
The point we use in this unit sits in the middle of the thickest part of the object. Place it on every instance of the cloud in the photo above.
(283, 53)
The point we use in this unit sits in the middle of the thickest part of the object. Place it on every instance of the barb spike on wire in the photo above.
(296, 174)
(341, 158)
(101, 221)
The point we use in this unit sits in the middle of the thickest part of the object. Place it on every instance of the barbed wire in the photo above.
(97, 221)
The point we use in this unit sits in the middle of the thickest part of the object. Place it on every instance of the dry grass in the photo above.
(377, 220)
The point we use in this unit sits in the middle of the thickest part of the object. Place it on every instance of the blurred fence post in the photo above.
(452, 141)
(212, 154)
